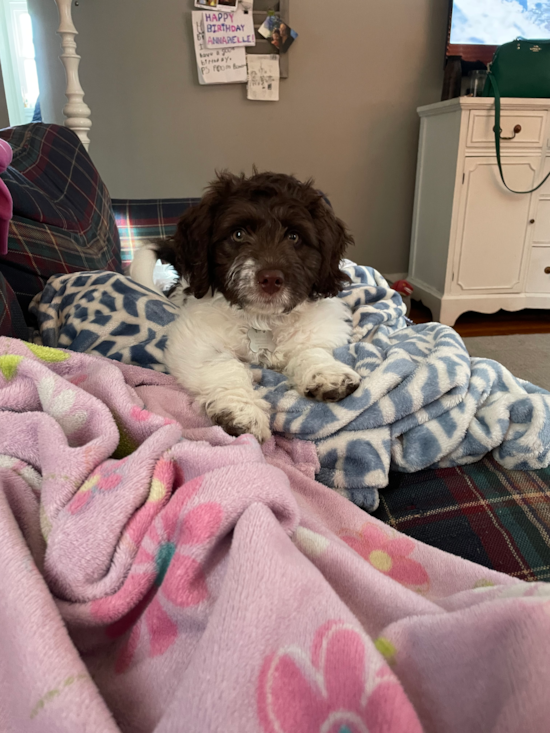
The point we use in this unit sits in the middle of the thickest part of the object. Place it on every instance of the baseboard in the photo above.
(393, 277)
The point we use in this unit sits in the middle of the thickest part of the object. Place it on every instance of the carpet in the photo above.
(527, 356)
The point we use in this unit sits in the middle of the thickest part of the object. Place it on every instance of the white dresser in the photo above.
(476, 246)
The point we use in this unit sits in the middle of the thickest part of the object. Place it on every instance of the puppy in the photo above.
(260, 256)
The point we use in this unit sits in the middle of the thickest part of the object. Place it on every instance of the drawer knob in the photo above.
(547, 270)
(517, 130)
(531, 221)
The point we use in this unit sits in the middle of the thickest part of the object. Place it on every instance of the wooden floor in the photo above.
(502, 323)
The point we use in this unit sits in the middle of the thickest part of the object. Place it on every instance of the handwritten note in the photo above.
(223, 29)
(219, 66)
(263, 77)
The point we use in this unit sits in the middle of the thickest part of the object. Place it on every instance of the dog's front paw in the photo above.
(244, 417)
(332, 384)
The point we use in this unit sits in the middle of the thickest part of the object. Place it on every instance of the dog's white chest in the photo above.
(260, 340)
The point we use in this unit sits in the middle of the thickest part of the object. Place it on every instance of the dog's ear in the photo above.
(190, 250)
(334, 238)
(191, 247)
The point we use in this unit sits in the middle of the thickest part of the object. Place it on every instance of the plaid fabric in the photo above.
(482, 512)
(141, 220)
(63, 221)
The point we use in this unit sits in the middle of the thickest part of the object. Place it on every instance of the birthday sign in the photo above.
(219, 65)
(226, 30)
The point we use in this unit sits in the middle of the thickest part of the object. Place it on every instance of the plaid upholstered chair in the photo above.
(64, 219)
(140, 220)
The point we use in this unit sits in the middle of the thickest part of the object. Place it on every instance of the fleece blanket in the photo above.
(159, 575)
(107, 314)
(422, 401)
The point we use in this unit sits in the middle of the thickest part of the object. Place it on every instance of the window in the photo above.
(17, 59)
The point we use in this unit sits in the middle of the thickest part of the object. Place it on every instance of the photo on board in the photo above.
(278, 33)
(288, 36)
(228, 4)
(206, 3)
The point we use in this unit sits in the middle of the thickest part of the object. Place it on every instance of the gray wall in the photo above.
(346, 117)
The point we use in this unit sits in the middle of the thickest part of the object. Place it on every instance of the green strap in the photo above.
(497, 131)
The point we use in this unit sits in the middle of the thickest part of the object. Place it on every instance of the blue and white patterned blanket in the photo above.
(107, 314)
(422, 402)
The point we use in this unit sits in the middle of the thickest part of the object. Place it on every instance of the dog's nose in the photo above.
(271, 281)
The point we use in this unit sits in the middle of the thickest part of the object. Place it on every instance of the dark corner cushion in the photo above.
(12, 321)
(62, 216)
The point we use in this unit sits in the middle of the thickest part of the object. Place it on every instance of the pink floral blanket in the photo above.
(158, 575)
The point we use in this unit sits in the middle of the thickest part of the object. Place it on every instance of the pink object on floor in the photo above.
(159, 575)
(6, 203)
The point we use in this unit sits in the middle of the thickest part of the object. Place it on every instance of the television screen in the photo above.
(493, 22)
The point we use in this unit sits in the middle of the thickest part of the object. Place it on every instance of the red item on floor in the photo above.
(402, 287)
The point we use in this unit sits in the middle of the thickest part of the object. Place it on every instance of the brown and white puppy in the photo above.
(261, 259)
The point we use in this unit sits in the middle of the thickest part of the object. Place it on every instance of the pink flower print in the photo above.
(342, 689)
(166, 475)
(139, 414)
(104, 478)
(78, 379)
(389, 554)
(162, 579)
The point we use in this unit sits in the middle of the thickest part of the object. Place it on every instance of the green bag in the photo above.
(518, 69)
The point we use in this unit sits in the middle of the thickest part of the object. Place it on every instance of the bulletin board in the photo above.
(243, 41)
(261, 8)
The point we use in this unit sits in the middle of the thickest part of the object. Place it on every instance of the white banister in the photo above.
(76, 110)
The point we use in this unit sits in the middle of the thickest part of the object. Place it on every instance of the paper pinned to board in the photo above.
(263, 77)
(217, 66)
(226, 29)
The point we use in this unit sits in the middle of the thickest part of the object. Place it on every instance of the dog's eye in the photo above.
(293, 237)
(238, 235)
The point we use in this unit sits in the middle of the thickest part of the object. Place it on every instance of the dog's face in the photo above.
(267, 243)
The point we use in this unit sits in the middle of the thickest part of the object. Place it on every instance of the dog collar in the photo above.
(260, 340)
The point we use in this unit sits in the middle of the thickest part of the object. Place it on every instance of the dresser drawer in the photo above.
(538, 280)
(532, 134)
